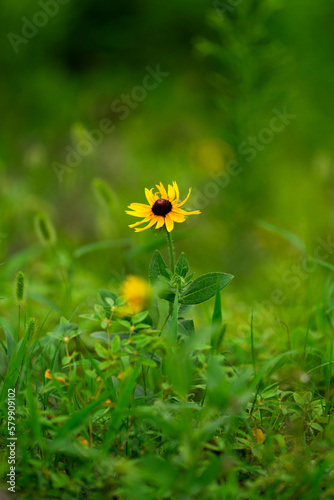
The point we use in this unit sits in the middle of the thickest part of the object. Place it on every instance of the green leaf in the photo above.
(101, 351)
(104, 336)
(182, 266)
(270, 391)
(15, 366)
(104, 323)
(139, 318)
(143, 326)
(303, 399)
(147, 362)
(99, 310)
(104, 294)
(158, 267)
(10, 342)
(90, 373)
(91, 317)
(316, 426)
(204, 287)
(186, 326)
(124, 323)
(66, 360)
(115, 345)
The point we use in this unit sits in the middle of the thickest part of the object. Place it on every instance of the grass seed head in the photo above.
(20, 288)
(45, 230)
(31, 328)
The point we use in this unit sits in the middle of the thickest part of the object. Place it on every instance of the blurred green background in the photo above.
(231, 69)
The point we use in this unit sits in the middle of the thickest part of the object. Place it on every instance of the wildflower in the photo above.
(48, 375)
(136, 292)
(258, 435)
(163, 209)
(108, 403)
(83, 442)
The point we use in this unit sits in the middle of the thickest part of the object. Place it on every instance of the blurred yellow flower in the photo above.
(48, 375)
(258, 435)
(136, 292)
(83, 442)
(163, 209)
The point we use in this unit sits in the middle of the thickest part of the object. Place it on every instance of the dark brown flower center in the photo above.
(162, 207)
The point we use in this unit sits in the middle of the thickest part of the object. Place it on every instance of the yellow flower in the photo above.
(136, 292)
(163, 209)
(49, 375)
(258, 435)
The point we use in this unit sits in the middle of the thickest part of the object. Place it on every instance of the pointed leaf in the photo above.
(104, 294)
(139, 317)
(116, 343)
(158, 267)
(10, 342)
(182, 266)
(186, 326)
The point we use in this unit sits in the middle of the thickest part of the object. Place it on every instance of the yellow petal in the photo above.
(176, 189)
(150, 196)
(160, 222)
(153, 221)
(162, 190)
(178, 210)
(177, 217)
(137, 214)
(169, 223)
(139, 222)
(171, 192)
(183, 202)
(139, 206)
(194, 212)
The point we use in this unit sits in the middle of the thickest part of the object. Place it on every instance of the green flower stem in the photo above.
(171, 251)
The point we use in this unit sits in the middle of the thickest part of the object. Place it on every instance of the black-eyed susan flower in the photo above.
(163, 210)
